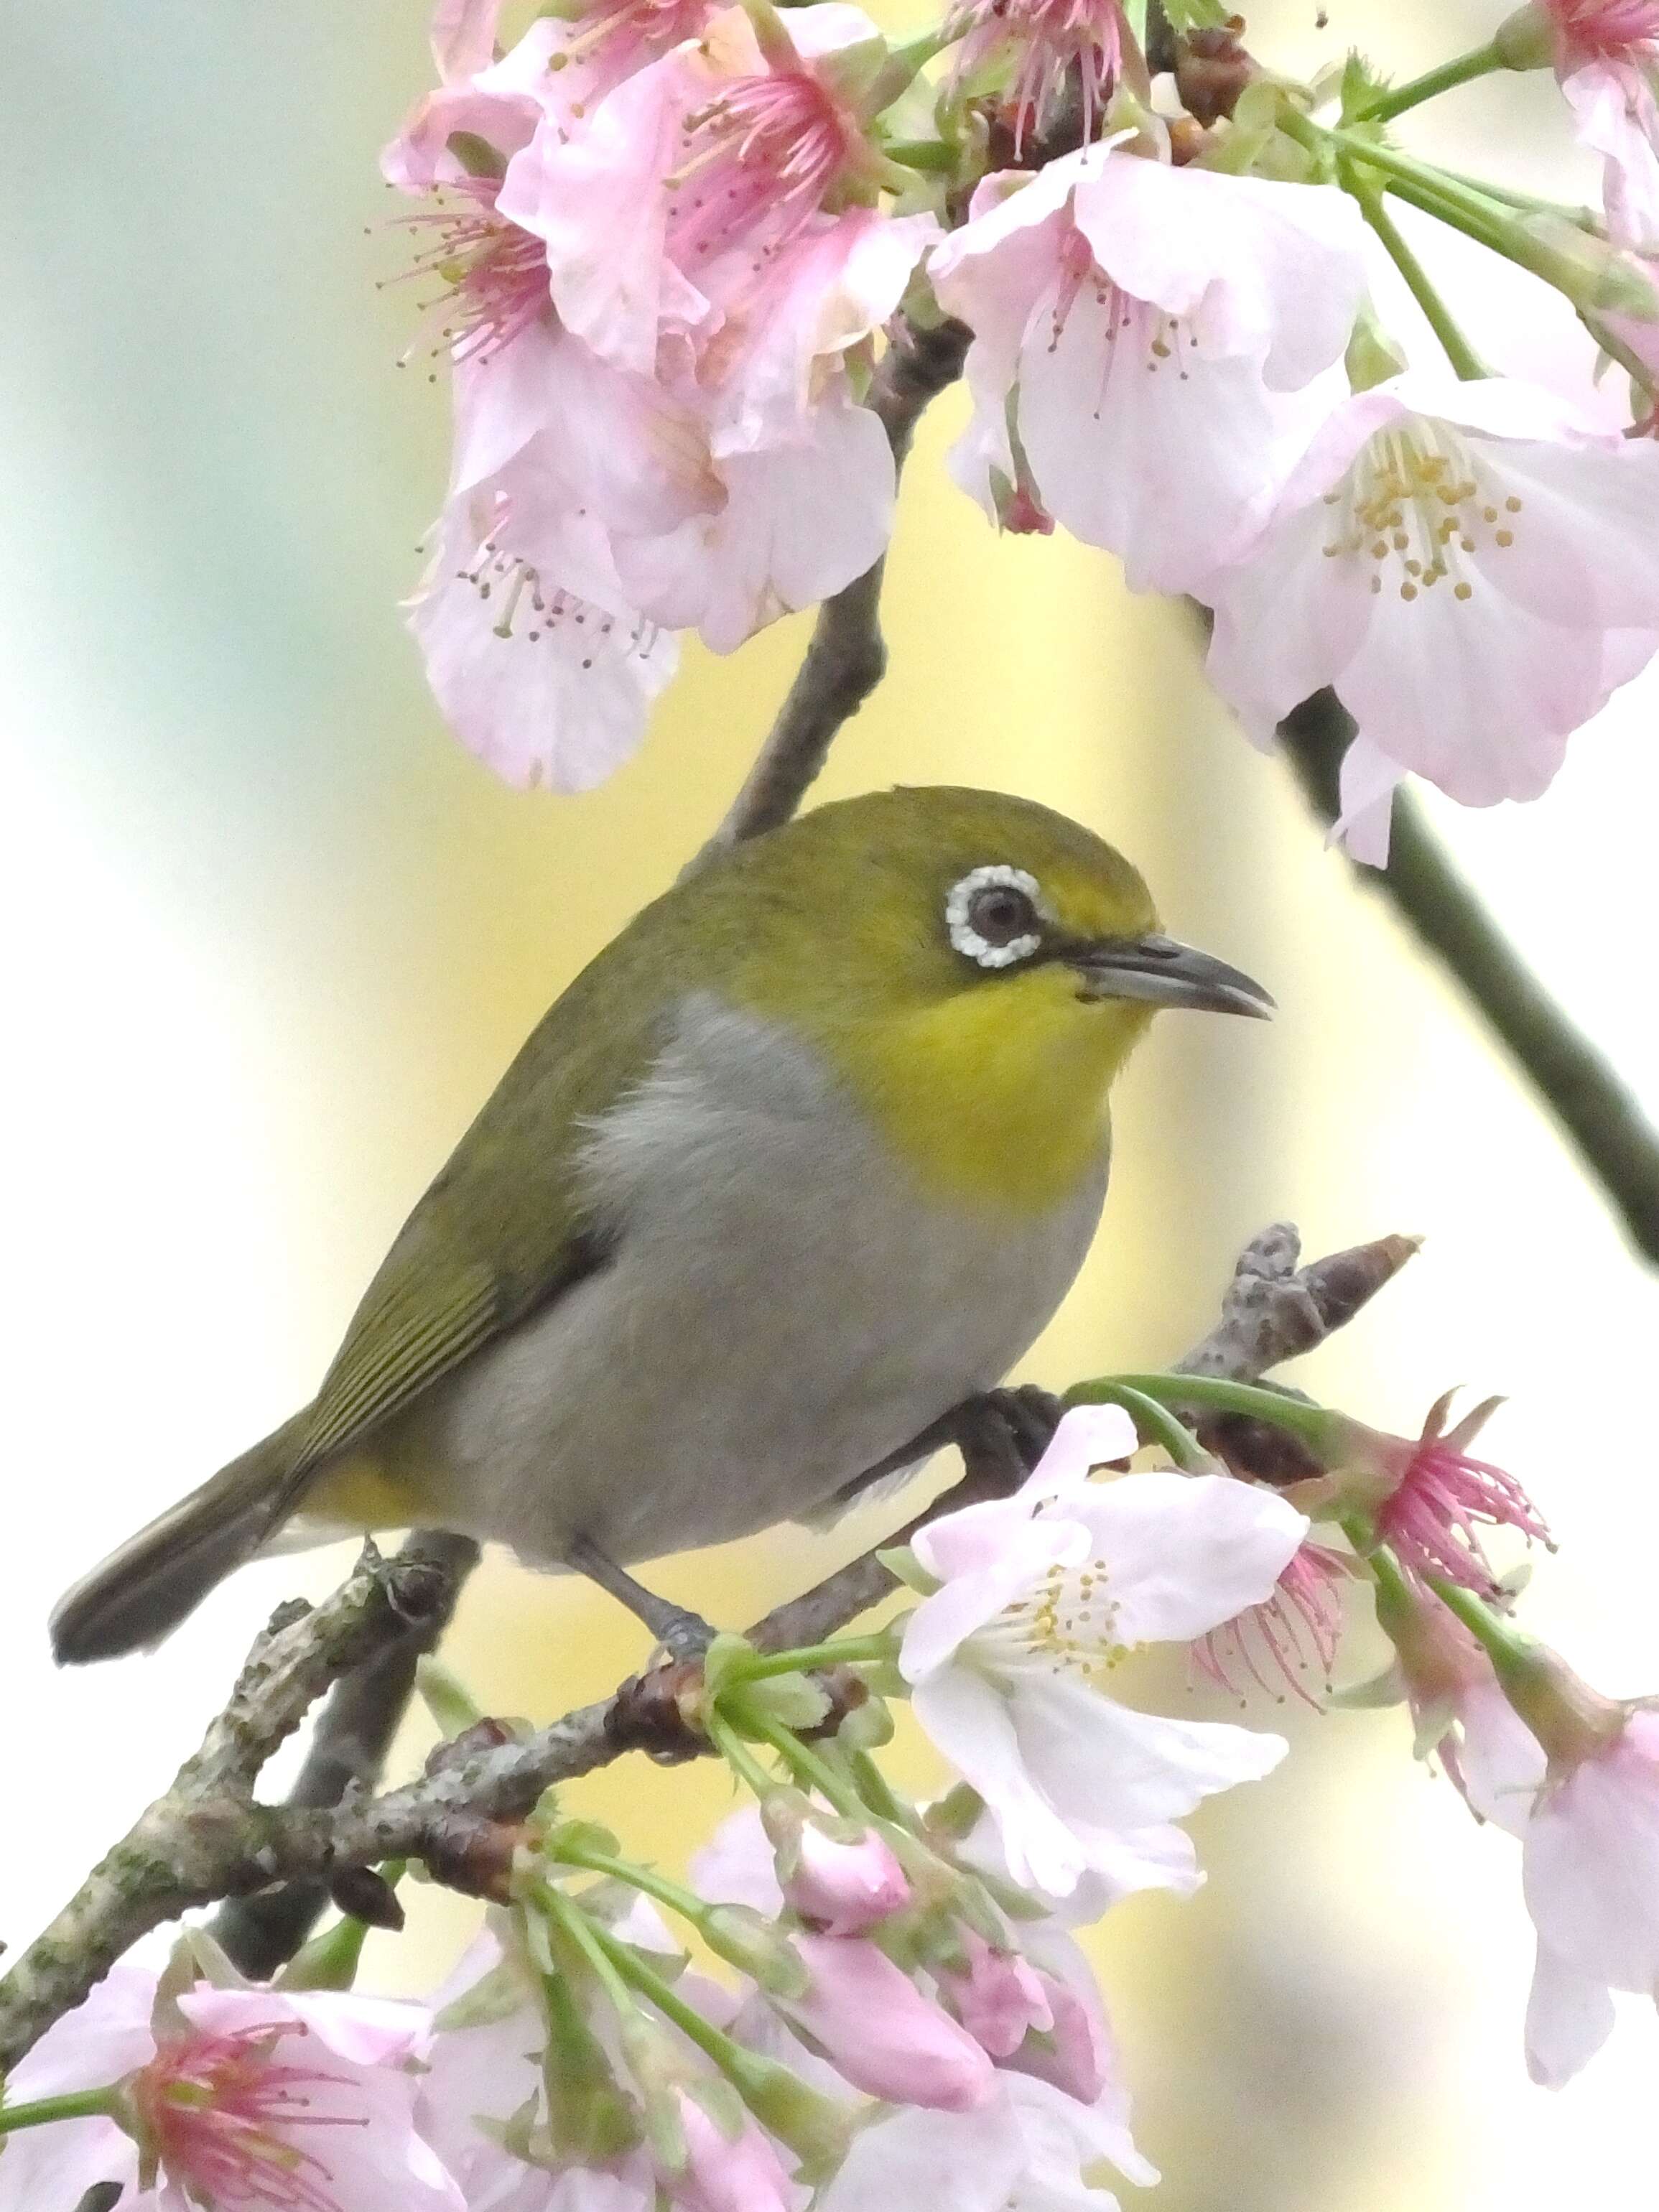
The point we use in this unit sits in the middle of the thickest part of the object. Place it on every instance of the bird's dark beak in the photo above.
(1165, 974)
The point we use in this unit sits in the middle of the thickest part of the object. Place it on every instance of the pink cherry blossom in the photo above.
(1459, 1711)
(1044, 45)
(664, 218)
(1144, 338)
(1299, 1626)
(1032, 2149)
(1475, 568)
(842, 1883)
(237, 2096)
(725, 2172)
(1428, 1497)
(1607, 57)
(547, 685)
(1040, 1596)
(997, 1995)
(881, 2032)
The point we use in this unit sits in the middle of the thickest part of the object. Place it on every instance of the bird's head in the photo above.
(978, 966)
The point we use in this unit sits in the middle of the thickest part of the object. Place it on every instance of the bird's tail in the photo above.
(145, 1588)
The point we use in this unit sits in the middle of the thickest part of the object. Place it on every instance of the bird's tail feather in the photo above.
(146, 1587)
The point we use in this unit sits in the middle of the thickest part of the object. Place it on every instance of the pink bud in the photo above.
(844, 1888)
(727, 2175)
(881, 2033)
(1076, 2053)
(999, 1998)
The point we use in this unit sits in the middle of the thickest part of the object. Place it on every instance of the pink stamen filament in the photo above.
(771, 147)
(495, 275)
(212, 2104)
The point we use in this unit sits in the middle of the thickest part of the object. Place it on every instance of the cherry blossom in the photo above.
(840, 1878)
(1299, 1626)
(727, 2168)
(548, 685)
(1473, 566)
(1144, 340)
(1427, 1496)
(668, 219)
(1589, 1852)
(233, 2096)
(1042, 46)
(881, 2032)
(1607, 57)
(1033, 2149)
(1040, 1595)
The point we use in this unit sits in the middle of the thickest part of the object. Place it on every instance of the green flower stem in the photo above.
(590, 1939)
(685, 1902)
(878, 1794)
(1313, 1424)
(1464, 206)
(847, 1651)
(627, 1968)
(1503, 1643)
(74, 2105)
(809, 1768)
(1581, 218)
(1462, 69)
(1453, 343)
(1157, 1425)
(736, 1754)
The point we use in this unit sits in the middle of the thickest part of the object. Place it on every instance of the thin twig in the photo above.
(206, 1838)
(846, 657)
(1612, 1137)
(347, 1752)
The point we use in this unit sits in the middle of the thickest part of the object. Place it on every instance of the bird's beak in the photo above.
(1166, 974)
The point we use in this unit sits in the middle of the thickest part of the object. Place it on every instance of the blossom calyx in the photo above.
(1526, 39)
(757, 1946)
(1572, 1721)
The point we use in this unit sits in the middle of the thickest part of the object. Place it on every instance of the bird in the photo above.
(804, 1159)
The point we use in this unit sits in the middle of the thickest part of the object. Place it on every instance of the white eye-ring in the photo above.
(995, 915)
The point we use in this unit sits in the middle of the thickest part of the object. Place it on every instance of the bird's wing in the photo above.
(503, 1230)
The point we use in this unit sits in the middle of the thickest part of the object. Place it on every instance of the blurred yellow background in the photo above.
(271, 936)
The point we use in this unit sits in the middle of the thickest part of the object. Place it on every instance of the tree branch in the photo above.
(348, 1749)
(207, 1838)
(1613, 1140)
(847, 655)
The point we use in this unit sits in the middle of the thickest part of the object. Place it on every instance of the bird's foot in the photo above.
(1004, 1433)
(685, 1636)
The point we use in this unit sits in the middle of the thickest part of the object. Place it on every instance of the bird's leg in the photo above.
(1004, 1433)
(682, 1634)
(1001, 1435)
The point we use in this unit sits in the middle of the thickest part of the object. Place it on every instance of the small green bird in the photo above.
(804, 1158)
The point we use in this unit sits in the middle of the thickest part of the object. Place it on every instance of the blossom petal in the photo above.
(1274, 271)
(966, 1720)
(1183, 1554)
(1570, 2016)
(1088, 1755)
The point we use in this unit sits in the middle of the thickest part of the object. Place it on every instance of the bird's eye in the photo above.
(995, 916)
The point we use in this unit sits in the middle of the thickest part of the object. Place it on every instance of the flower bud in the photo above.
(881, 2033)
(998, 1996)
(841, 1878)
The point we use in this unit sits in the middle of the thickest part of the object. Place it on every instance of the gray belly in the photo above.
(783, 1309)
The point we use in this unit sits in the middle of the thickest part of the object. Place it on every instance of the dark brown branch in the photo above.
(847, 655)
(1614, 1139)
(207, 1838)
(348, 1750)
